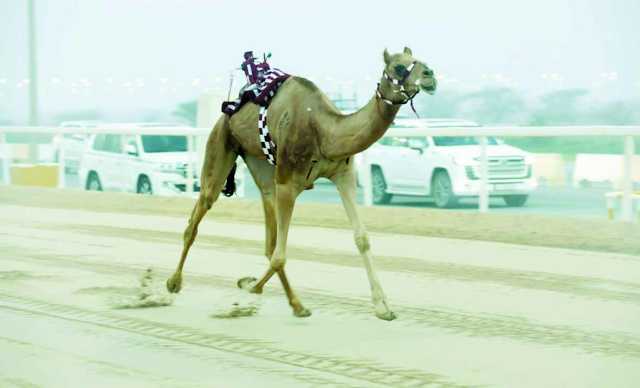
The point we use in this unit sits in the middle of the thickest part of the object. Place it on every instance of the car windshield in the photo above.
(162, 143)
(445, 141)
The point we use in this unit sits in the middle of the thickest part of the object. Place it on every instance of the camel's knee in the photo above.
(277, 262)
(189, 232)
(196, 216)
(362, 241)
(209, 199)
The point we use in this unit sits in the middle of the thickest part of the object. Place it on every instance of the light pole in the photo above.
(33, 79)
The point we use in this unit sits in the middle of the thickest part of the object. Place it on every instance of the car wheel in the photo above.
(144, 186)
(515, 200)
(379, 187)
(93, 182)
(442, 191)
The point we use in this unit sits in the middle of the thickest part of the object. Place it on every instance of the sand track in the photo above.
(355, 369)
(536, 230)
(607, 343)
(470, 313)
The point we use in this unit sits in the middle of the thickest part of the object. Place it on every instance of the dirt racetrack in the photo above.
(482, 300)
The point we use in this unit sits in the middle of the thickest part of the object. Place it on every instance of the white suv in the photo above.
(145, 164)
(446, 168)
(72, 145)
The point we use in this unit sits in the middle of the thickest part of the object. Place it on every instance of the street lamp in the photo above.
(33, 78)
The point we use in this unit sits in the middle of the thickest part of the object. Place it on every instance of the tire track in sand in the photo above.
(362, 370)
(202, 355)
(473, 325)
(588, 287)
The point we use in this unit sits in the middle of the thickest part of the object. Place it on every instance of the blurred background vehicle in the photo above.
(72, 145)
(444, 168)
(144, 164)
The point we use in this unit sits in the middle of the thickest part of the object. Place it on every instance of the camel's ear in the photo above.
(387, 57)
(407, 51)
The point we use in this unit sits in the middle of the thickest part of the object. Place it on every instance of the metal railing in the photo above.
(482, 133)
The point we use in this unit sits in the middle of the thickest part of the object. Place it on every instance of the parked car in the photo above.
(72, 145)
(445, 168)
(145, 164)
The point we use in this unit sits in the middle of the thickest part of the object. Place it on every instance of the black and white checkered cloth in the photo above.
(266, 142)
(273, 79)
(261, 93)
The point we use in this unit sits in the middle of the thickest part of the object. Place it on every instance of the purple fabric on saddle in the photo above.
(262, 84)
(266, 89)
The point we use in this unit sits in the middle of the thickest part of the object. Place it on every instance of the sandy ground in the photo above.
(470, 313)
(525, 229)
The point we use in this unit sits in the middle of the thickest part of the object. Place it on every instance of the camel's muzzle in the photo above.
(430, 88)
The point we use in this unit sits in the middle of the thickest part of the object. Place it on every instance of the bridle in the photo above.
(397, 85)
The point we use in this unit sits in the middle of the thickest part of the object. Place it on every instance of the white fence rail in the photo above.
(628, 132)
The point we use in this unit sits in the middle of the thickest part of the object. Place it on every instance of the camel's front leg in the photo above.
(346, 184)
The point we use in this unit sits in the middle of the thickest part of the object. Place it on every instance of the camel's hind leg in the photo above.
(286, 195)
(219, 159)
(263, 176)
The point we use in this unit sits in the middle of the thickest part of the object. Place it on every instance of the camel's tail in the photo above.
(230, 185)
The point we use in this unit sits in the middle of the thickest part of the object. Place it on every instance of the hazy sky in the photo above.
(140, 54)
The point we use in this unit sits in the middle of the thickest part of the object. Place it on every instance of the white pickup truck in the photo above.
(445, 168)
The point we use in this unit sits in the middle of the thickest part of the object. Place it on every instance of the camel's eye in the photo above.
(401, 70)
(427, 73)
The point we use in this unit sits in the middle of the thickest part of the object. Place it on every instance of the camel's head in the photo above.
(404, 72)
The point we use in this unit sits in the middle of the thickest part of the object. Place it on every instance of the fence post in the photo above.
(627, 188)
(484, 176)
(6, 161)
(366, 179)
(242, 175)
(190, 162)
(61, 162)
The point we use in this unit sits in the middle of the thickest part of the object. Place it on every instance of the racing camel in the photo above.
(314, 139)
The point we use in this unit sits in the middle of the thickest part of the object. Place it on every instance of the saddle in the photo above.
(262, 85)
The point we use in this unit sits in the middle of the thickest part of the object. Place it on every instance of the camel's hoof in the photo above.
(174, 283)
(387, 315)
(302, 312)
(246, 283)
(255, 290)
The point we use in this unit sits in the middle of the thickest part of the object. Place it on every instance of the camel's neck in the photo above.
(354, 133)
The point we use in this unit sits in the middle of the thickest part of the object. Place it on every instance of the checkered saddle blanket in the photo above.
(267, 89)
(266, 141)
(260, 93)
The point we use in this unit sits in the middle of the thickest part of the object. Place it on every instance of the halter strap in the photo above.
(401, 89)
(400, 82)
